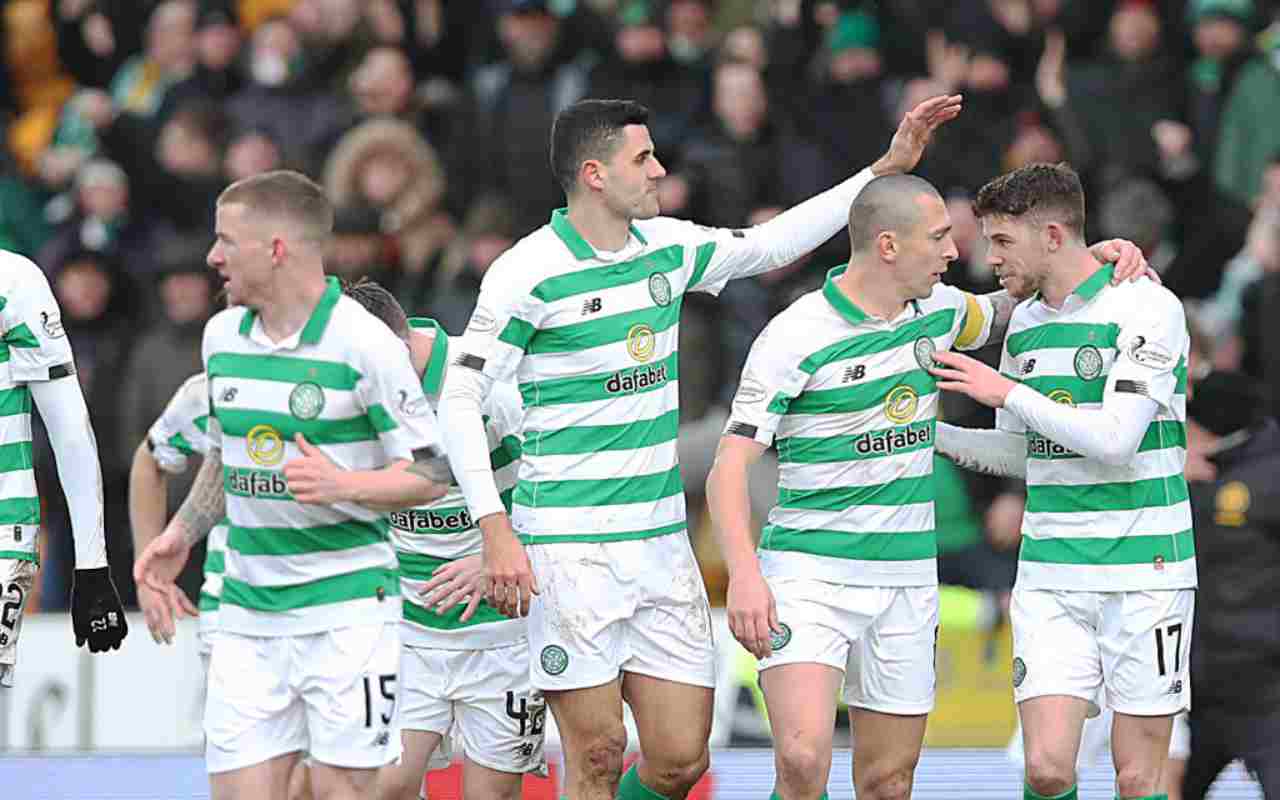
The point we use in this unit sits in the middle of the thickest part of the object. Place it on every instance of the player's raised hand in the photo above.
(1128, 258)
(506, 568)
(97, 616)
(458, 581)
(914, 133)
(960, 373)
(753, 614)
(313, 477)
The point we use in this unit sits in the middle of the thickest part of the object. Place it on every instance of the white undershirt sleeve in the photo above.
(987, 450)
(465, 441)
(802, 228)
(1110, 434)
(66, 417)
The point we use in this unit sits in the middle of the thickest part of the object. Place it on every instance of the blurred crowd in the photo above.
(428, 123)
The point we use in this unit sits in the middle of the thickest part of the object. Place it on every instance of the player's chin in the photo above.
(649, 207)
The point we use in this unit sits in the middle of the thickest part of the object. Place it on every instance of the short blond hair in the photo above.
(287, 194)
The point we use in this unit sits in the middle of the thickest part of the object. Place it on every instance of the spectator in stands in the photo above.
(140, 85)
(385, 164)
(1115, 100)
(101, 219)
(691, 34)
(359, 248)
(1235, 641)
(218, 42)
(251, 152)
(516, 100)
(487, 231)
(1248, 136)
(843, 111)
(175, 172)
(978, 65)
(281, 98)
(733, 164)
(1220, 31)
(95, 37)
(641, 68)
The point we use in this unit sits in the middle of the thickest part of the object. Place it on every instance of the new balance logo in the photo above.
(229, 394)
(592, 306)
(1029, 366)
(1175, 687)
(854, 373)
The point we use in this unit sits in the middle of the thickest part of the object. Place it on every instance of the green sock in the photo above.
(1030, 794)
(630, 788)
(1145, 797)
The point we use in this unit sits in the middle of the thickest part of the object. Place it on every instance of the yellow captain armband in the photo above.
(974, 321)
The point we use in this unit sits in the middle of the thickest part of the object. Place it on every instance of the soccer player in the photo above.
(466, 669)
(308, 651)
(1091, 409)
(36, 365)
(583, 315)
(845, 585)
(174, 437)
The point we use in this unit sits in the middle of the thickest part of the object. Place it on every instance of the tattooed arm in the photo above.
(1003, 304)
(206, 503)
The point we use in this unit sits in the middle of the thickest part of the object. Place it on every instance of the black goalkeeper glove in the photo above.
(96, 613)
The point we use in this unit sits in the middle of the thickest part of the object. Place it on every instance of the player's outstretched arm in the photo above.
(506, 565)
(800, 229)
(147, 499)
(159, 563)
(1110, 434)
(315, 479)
(753, 614)
(986, 450)
(97, 615)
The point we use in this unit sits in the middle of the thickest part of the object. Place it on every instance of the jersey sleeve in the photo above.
(720, 255)
(505, 409)
(393, 398)
(1150, 347)
(1006, 420)
(502, 324)
(179, 433)
(770, 380)
(32, 325)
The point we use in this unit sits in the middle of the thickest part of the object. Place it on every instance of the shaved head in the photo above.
(887, 203)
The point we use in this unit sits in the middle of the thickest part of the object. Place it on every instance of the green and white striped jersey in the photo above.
(346, 383)
(33, 347)
(590, 338)
(849, 404)
(1090, 526)
(430, 536)
(179, 433)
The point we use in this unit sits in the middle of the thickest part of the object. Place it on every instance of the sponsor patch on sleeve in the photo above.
(482, 320)
(1150, 354)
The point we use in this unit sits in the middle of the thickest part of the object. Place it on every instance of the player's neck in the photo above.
(293, 298)
(1071, 268)
(598, 225)
(869, 291)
